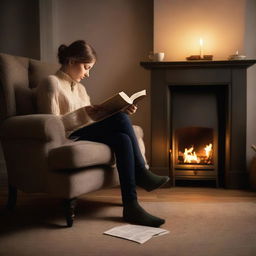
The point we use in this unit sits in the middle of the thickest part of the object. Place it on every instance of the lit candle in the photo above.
(201, 42)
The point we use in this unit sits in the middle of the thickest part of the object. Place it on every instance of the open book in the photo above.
(83, 117)
(136, 233)
(115, 104)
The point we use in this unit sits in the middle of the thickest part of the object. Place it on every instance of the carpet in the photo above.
(37, 227)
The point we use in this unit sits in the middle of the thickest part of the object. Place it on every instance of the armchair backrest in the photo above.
(18, 77)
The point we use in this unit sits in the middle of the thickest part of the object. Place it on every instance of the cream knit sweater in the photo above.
(60, 95)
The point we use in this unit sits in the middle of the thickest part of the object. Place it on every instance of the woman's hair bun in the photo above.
(79, 51)
(62, 54)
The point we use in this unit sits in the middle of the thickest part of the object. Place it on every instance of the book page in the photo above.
(136, 233)
(125, 97)
(138, 94)
(115, 103)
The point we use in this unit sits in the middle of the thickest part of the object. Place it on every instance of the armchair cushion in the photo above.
(79, 154)
(139, 134)
(38, 127)
(39, 70)
(64, 153)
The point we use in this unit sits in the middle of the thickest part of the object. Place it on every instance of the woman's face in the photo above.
(79, 71)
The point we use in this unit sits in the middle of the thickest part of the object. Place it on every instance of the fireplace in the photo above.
(198, 121)
(196, 125)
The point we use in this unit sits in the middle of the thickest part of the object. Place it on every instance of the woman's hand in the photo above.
(91, 110)
(130, 110)
(95, 111)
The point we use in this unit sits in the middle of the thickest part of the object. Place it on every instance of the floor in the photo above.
(201, 221)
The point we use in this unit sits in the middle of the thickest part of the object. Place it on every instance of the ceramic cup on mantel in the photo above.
(158, 56)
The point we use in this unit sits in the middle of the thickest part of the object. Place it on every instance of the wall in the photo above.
(224, 25)
(121, 31)
(250, 50)
(19, 35)
(19, 23)
(179, 24)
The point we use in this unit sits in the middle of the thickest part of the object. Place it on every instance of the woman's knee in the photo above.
(121, 117)
(121, 140)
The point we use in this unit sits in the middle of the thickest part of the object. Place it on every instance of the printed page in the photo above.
(138, 94)
(136, 233)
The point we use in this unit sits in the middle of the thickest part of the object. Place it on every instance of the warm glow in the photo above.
(178, 26)
(201, 42)
(190, 156)
(203, 156)
(208, 150)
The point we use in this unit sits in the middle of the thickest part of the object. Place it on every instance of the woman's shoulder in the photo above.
(49, 83)
(51, 78)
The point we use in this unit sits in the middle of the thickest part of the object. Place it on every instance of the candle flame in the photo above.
(201, 42)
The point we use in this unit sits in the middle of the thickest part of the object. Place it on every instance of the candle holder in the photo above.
(236, 56)
(199, 57)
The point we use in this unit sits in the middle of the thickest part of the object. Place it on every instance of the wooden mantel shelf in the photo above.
(198, 64)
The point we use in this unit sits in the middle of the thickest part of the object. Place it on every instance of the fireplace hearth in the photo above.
(198, 121)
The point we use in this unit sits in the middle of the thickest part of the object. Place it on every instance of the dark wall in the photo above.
(19, 35)
(120, 30)
(19, 28)
(250, 50)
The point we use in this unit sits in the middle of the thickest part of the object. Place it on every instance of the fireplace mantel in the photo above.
(228, 76)
(198, 64)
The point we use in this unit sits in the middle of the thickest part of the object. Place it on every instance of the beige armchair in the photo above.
(39, 158)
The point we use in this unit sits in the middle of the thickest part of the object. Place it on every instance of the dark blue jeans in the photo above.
(117, 132)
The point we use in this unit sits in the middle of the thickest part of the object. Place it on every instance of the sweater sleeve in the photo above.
(48, 103)
(47, 96)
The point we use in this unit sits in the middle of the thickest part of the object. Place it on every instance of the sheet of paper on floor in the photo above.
(136, 233)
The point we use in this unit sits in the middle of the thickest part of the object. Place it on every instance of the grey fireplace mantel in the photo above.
(230, 77)
(198, 64)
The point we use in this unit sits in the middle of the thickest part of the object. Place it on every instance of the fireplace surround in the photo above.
(197, 105)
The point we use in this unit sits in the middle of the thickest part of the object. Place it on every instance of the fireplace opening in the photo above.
(197, 126)
(195, 147)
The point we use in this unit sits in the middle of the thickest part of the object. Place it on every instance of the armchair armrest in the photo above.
(139, 135)
(36, 127)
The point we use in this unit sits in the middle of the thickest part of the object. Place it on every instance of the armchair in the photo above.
(39, 158)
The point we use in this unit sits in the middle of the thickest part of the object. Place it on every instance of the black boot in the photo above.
(135, 214)
(150, 181)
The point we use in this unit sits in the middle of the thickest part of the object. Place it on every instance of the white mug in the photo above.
(159, 56)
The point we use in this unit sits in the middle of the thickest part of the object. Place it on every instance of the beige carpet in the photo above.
(207, 227)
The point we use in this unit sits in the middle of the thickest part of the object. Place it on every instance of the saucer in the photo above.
(237, 57)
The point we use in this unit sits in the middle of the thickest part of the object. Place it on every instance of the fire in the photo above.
(208, 150)
(190, 155)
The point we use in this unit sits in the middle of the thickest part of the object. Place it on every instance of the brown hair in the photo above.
(79, 51)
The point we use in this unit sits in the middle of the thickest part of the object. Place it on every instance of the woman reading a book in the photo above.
(62, 94)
